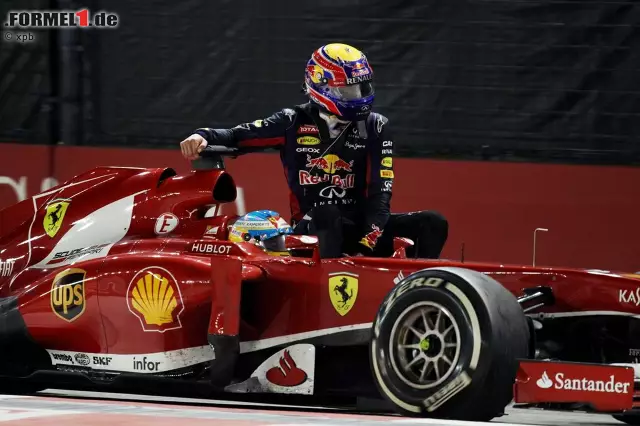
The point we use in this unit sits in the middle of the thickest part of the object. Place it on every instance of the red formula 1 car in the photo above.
(120, 276)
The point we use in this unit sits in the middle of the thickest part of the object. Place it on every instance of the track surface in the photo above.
(92, 408)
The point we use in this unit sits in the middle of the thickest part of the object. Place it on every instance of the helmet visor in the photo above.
(352, 92)
(276, 243)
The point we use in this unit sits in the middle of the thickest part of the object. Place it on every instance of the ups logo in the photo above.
(67, 294)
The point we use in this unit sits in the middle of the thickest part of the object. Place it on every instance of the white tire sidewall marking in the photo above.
(376, 371)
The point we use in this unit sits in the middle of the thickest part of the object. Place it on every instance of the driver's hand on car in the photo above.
(192, 146)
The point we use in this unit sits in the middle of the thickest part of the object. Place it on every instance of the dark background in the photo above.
(485, 79)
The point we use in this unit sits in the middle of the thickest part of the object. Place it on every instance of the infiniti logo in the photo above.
(331, 191)
(365, 107)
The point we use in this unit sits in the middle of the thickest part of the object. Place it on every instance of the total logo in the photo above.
(308, 128)
(330, 163)
(166, 223)
(561, 382)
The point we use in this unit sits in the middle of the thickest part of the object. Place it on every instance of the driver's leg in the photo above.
(325, 222)
(427, 229)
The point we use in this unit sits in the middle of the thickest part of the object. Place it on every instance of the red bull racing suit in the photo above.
(351, 174)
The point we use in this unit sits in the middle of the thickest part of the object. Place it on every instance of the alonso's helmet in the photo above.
(265, 228)
(339, 80)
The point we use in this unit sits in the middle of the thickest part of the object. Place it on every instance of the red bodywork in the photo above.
(119, 222)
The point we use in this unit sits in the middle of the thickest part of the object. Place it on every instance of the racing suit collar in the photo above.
(335, 125)
(312, 111)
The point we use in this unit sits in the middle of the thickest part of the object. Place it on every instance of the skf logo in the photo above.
(308, 140)
(154, 297)
(388, 174)
(387, 162)
(54, 216)
(67, 294)
(343, 291)
(307, 128)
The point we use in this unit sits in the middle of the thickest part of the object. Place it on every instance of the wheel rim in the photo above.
(424, 345)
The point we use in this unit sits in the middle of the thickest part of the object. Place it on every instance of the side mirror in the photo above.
(303, 246)
(300, 242)
(400, 246)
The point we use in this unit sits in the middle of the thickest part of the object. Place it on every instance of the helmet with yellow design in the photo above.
(265, 228)
(339, 80)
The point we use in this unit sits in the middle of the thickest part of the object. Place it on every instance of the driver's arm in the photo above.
(379, 185)
(258, 135)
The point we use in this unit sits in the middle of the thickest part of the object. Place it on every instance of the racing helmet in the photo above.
(339, 79)
(265, 228)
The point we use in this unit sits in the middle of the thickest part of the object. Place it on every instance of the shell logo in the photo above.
(155, 298)
(387, 162)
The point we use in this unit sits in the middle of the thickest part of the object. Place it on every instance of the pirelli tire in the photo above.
(458, 314)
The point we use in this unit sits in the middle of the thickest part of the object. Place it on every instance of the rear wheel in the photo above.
(445, 344)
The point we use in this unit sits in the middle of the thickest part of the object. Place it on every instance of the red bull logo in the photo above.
(307, 178)
(359, 69)
(359, 73)
(329, 163)
(371, 239)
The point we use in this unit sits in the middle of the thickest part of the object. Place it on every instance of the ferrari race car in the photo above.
(126, 275)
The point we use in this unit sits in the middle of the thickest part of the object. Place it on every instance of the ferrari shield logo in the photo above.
(54, 216)
(67, 294)
(343, 291)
